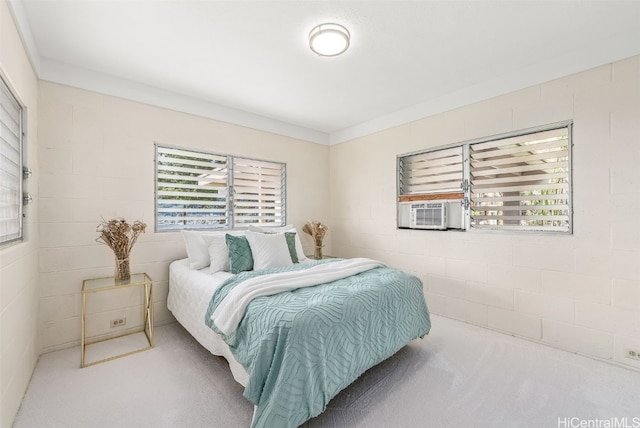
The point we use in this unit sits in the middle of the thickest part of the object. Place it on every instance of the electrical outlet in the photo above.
(632, 353)
(118, 322)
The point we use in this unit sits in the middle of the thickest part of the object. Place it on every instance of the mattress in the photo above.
(190, 292)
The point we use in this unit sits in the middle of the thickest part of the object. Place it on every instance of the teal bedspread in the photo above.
(302, 347)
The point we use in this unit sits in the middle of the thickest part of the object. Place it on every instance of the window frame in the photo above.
(18, 235)
(466, 186)
(443, 161)
(232, 217)
(566, 177)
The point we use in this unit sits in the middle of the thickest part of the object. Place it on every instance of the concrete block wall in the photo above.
(581, 292)
(19, 346)
(97, 161)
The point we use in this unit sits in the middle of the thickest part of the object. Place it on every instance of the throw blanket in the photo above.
(303, 346)
(230, 311)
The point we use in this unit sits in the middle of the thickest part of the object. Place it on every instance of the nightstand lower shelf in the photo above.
(116, 347)
(123, 344)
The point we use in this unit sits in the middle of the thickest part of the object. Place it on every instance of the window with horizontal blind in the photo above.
(435, 172)
(200, 190)
(11, 175)
(519, 181)
(522, 182)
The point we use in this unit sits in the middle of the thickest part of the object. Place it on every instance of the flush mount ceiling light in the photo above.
(329, 39)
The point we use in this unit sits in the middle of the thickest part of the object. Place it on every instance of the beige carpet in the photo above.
(458, 376)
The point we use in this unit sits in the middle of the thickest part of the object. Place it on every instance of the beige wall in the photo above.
(580, 292)
(19, 349)
(97, 161)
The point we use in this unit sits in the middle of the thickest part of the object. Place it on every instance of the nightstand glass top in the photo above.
(99, 284)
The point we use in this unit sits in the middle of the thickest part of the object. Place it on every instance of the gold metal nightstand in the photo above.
(97, 285)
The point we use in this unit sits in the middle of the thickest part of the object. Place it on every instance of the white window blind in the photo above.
(198, 190)
(191, 189)
(438, 171)
(258, 192)
(10, 166)
(522, 182)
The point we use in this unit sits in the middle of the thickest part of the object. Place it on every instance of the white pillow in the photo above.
(197, 248)
(269, 250)
(271, 229)
(198, 244)
(287, 228)
(218, 254)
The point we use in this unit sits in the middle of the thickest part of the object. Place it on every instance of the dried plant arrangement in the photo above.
(317, 231)
(120, 236)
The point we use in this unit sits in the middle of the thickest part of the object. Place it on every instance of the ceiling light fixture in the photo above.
(329, 39)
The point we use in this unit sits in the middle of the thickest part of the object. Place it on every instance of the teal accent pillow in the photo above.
(291, 243)
(240, 258)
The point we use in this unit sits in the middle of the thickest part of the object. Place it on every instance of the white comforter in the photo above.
(190, 291)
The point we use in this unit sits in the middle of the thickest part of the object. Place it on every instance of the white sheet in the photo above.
(190, 292)
(231, 309)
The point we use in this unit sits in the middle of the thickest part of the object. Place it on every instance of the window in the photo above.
(199, 190)
(11, 175)
(522, 182)
(519, 181)
(436, 172)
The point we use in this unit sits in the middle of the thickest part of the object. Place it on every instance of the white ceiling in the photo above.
(248, 62)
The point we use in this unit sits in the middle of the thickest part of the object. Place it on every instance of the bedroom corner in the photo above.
(578, 292)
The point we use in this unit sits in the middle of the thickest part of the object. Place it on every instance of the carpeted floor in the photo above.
(458, 376)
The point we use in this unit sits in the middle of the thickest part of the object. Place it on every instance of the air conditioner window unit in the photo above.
(434, 215)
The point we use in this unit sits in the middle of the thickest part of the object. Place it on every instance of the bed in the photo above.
(296, 335)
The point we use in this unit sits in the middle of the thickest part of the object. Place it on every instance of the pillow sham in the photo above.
(218, 255)
(197, 244)
(240, 258)
(270, 229)
(287, 228)
(269, 250)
